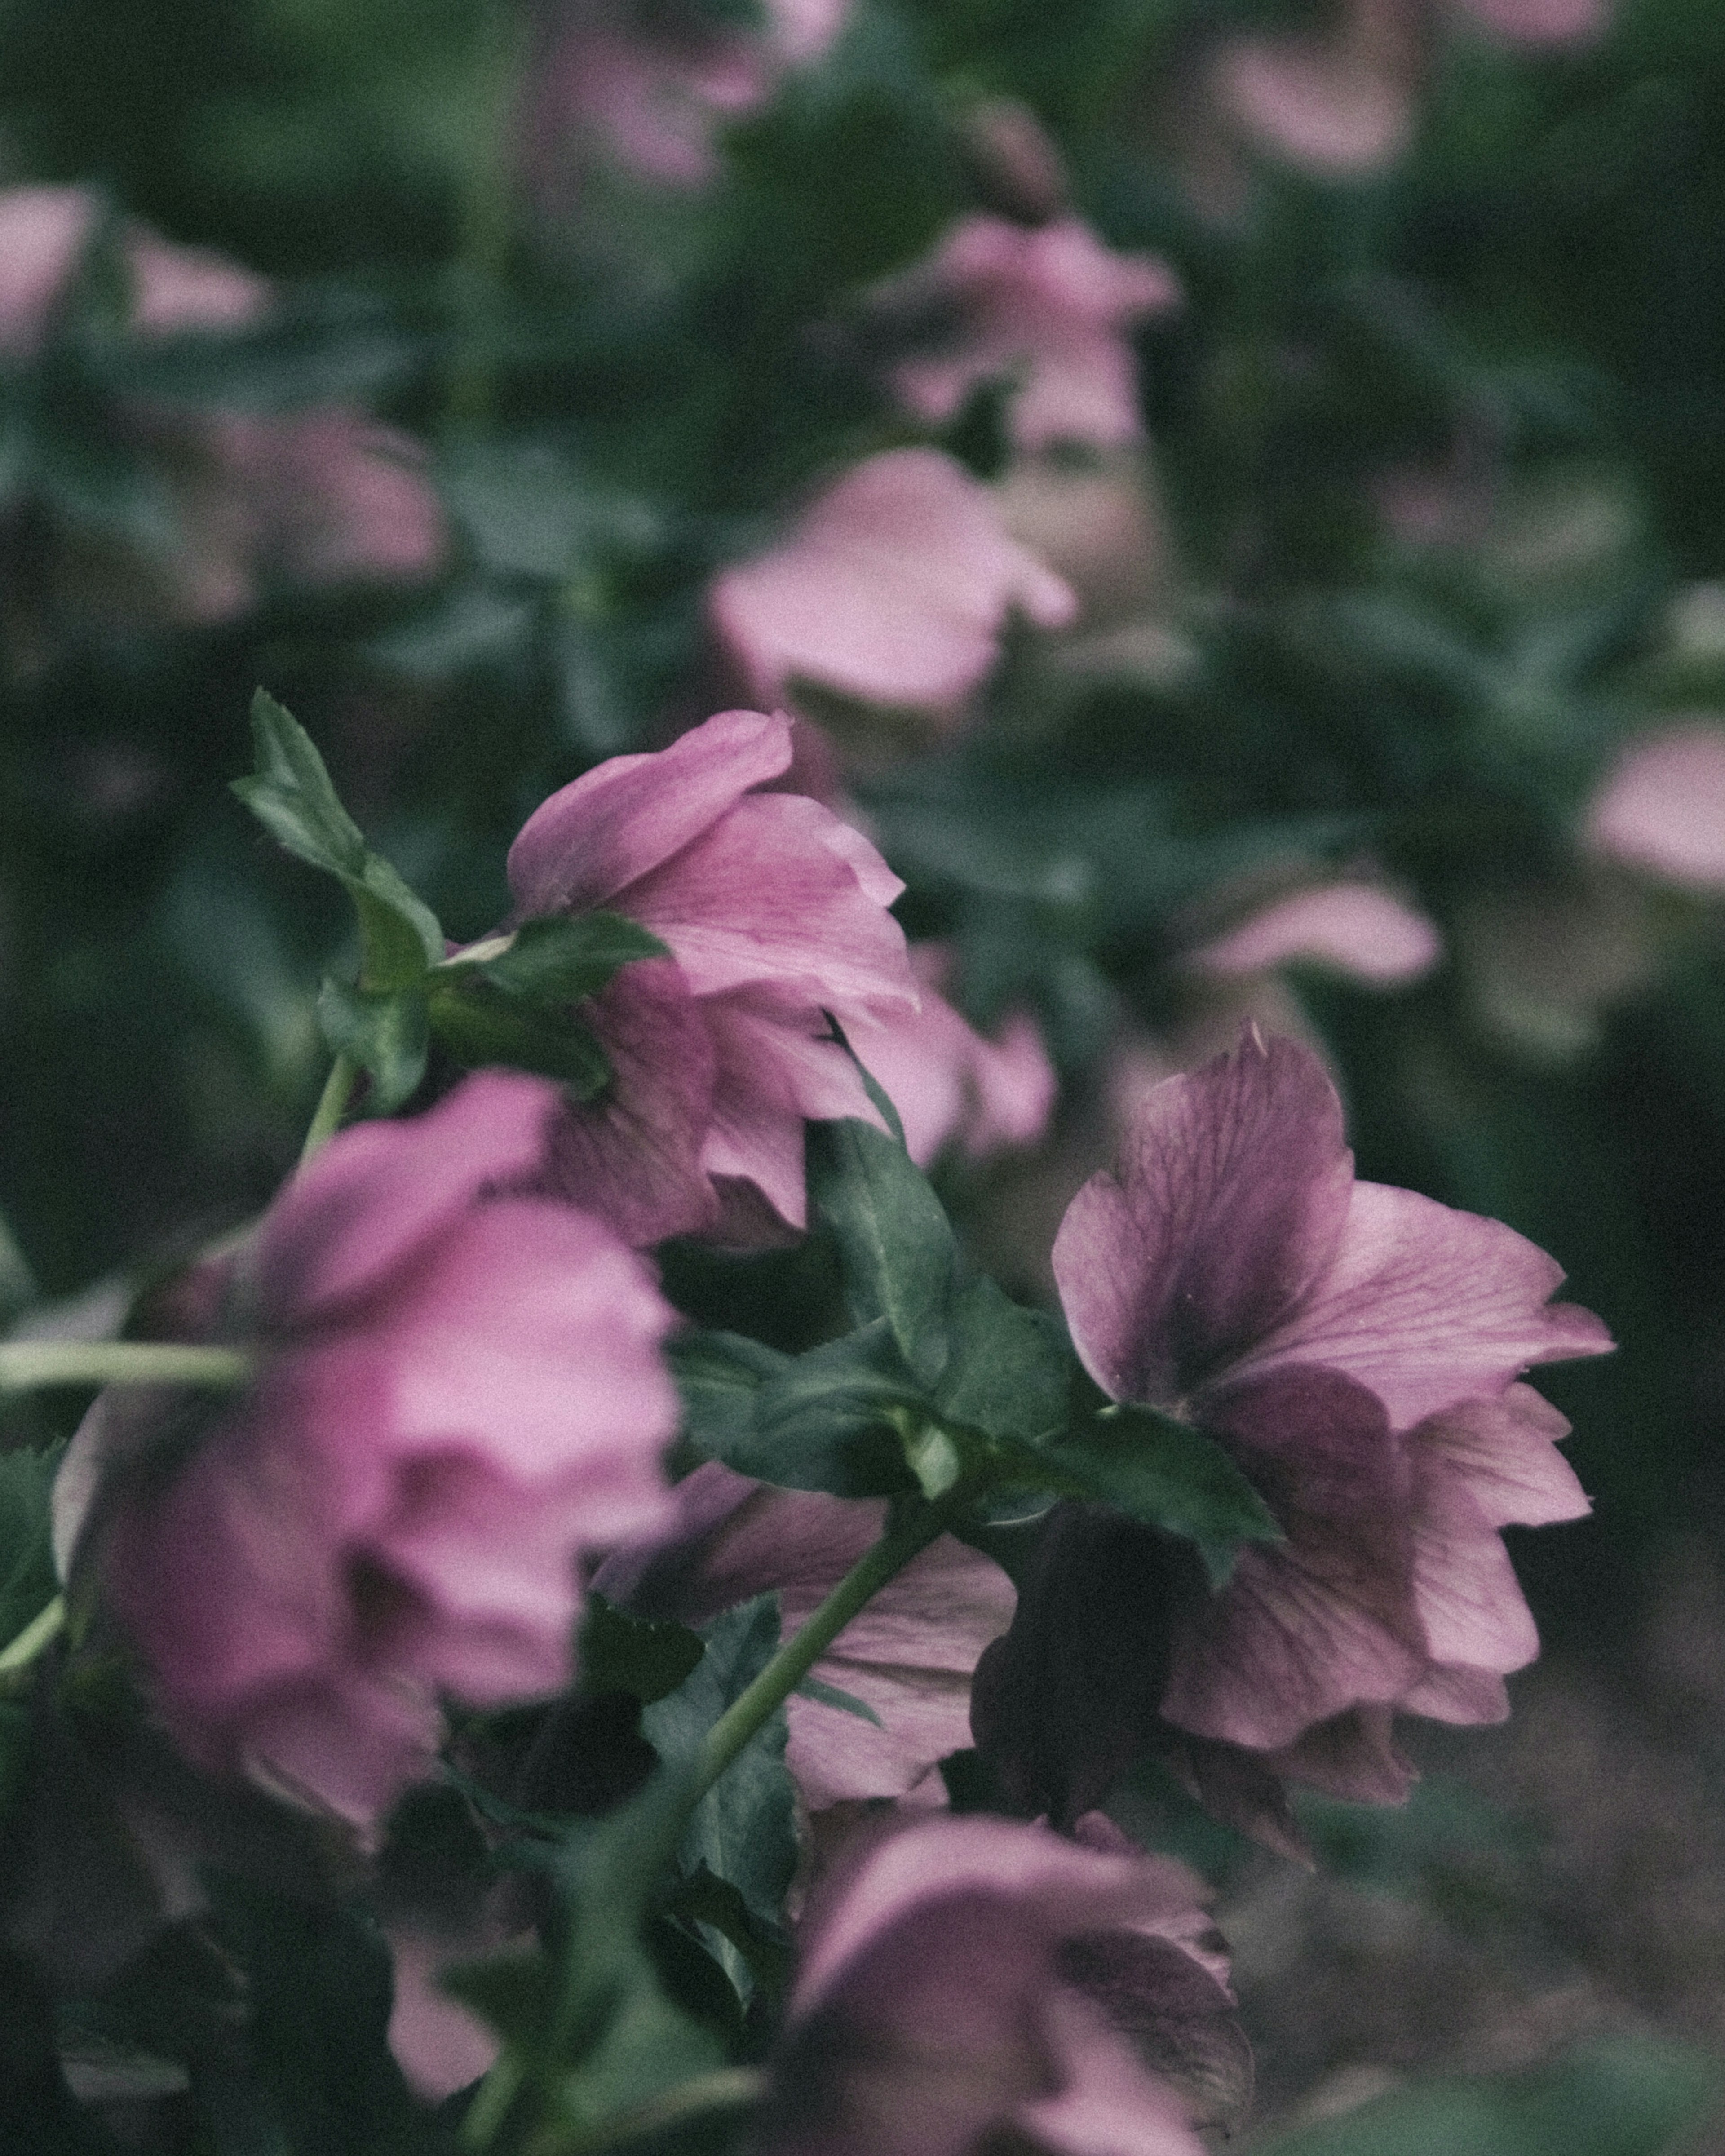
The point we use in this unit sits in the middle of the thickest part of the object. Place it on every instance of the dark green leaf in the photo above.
(703, 1899)
(718, 1376)
(27, 1580)
(896, 1246)
(290, 793)
(817, 1689)
(479, 1024)
(1620, 2096)
(1010, 1371)
(559, 959)
(647, 1657)
(385, 1032)
(1168, 1475)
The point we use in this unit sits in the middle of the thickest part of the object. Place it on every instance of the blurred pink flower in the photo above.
(970, 1983)
(892, 587)
(454, 1396)
(774, 912)
(1354, 1348)
(952, 1084)
(305, 498)
(653, 91)
(1663, 808)
(1050, 300)
(1360, 929)
(908, 1655)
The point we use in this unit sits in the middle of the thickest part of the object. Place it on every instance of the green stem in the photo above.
(332, 1106)
(42, 1631)
(910, 1529)
(27, 1364)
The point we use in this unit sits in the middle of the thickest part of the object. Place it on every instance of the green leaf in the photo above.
(1619, 2096)
(897, 1249)
(27, 1579)
(1168, 1475)
(385, 1032)
(648, 1657)
(827, 1695)
(1010, 1372)
(702, 1898)
(479, 1023)
(719, 1375)
(557, 958)
(291, 795)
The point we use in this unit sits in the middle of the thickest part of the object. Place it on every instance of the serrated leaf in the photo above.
(896, 1246)
(290, 793)
(386, 1033)
(1168, 1475)
(648, 1657)
(1010, 1370)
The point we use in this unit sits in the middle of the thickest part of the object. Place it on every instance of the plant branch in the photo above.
(332, 1106)
(26, 1365)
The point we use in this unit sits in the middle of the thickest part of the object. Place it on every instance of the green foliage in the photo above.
(27, 1581)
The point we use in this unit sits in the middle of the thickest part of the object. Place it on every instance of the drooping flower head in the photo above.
(311, 498)
(907, 1656)
(969, 1982)
(892, 587)
(455, 1395)
(1355, 1348)
(1050, 300)
(774, 913)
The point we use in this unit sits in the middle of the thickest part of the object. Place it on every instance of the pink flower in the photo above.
(908, 1656)
(454, 1396)
(1662, 809)
(1360, 929)
(1050, 300)
(892, 587)
(950, 1084)
(653, 91)
(971, 1982)
(306, 498)
(1354, 1349)
(774, 912)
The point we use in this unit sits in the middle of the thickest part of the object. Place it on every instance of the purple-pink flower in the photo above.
(454, 1396)
(774, 912)
(1355, 1348)
(1050, 301)
(892, 587)
(1661, 807)
(907, 1656)
(972, 1983)
(317, 497)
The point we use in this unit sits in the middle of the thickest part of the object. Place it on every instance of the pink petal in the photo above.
(1428, 1305)
(629, 815)
(893, 587)
(42, 232)
(1316, 104)
(438, 2043)
(1358, 929)
(1352, 1756)
(1542, 22)
(1663, 807)
(1505, 1452)
(1231, 1201)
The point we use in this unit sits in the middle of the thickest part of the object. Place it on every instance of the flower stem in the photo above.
(43, 1629)
(332, 1106)
(27, 1364)
(911, 1528)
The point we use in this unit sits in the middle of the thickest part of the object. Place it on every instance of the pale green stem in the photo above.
(25, 1365)
(913, 1529)
(43, 1629)
(332, 1106)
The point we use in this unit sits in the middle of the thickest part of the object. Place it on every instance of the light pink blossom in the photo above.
(455, 1395)
(907, 1656)
(892, 587)
(1049, 299)
(1662, 807)
(309, 497)
(966, 1982)
(1360, 929)
(774, 912)
(954, 1086)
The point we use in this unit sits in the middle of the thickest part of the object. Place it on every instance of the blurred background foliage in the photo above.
(1431, 520)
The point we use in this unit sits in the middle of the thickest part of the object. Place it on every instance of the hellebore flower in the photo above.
(954, 1086)
(972, 1983)
(455, 1395)
(1354, 1349)
(908, 1655)
(1663, 808)
(892, 587)
(317, 497)
(1050, 300)
(774, 913)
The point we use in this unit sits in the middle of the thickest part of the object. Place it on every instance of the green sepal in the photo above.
(1166, 1474)
(899, 1254)
(291, 795)
(384, 1031)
